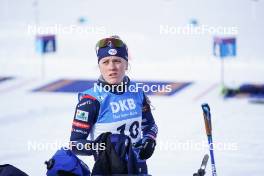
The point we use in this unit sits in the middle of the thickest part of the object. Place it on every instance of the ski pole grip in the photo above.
(207, 119)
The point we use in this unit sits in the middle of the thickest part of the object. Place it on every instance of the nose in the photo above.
(111, 66)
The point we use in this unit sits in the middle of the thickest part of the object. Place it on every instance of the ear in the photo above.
(126, 66)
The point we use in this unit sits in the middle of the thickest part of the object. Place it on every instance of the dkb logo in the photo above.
(123, 105)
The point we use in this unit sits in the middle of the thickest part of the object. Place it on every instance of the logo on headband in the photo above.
(112, 52)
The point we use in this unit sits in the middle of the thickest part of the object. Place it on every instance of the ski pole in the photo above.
(201, 170)
(208, 128)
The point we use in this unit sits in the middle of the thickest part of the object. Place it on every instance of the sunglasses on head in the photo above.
(112, 42)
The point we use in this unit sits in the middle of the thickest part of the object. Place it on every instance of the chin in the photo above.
(114, 81)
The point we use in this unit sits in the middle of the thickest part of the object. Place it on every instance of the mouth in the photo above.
(112, 75)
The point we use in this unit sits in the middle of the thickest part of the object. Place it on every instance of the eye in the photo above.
(105, 62)
(117, 61)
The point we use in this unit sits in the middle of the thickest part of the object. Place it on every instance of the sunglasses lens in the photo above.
(102, 43)
(110, 41)
(117, 43)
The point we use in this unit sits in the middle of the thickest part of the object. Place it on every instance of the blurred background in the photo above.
(168, 40)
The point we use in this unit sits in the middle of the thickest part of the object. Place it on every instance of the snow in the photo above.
(44, 118)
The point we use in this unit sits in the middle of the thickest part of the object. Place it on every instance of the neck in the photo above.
(119, 88)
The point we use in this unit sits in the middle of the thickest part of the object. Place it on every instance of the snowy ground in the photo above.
(35, 119)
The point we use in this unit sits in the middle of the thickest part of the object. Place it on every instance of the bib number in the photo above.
(133, 129)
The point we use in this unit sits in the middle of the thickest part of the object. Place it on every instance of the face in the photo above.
(113, 69)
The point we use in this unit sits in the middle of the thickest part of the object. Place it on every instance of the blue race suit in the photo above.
(119, 112)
